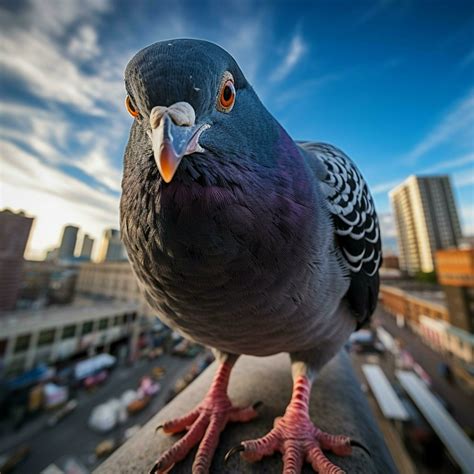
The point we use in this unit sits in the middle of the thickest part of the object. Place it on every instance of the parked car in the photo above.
(104, 417)
(158, 372)
(95, 379)
(104, 448)
(138, 405)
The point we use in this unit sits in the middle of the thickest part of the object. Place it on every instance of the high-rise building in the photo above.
(426, 219)
(14, 233)
(111, 249)
(87, 245)
(68, 242)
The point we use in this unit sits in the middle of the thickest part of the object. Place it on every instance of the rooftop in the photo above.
(429, 294)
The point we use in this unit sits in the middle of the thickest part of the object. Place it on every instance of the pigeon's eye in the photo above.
(130, 107)
(226, 95)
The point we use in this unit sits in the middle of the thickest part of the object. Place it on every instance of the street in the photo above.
(460, 403)
(73, 437)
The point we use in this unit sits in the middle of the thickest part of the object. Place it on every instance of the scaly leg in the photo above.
(203, 424)
(297, 439)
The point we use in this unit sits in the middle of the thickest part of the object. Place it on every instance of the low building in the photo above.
(411, 304)
(444, 337)
(390, 261)
(46, 282)
(112, 280)
(58, 333)
(455, 271)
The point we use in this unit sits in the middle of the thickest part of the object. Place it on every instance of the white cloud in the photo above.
(460, 179)
(294, 92)
(387, 225)
(463, 178)
(97, 163)
(467, 219)
(48, 134)
(34, 52)
(450, 164)
(84, 45)
(384, 187)
(458, 124)
(295, 52)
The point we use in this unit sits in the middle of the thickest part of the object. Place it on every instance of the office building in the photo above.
(29, 338)
(426, 219)
(114, 281)
(14, 233)
(111, 249)
(68, 242)
(87, 246)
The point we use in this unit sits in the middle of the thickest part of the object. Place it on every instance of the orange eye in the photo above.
(227, 96)
(130, 107)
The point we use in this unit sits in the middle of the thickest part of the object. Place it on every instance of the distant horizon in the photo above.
(390, 83)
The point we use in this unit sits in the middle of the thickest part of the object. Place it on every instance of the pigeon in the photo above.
(242, 240)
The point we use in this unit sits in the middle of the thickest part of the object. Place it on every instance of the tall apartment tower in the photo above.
(14, 233)
(68, 242)
(111, 249)
(87, 245)
(426, 220)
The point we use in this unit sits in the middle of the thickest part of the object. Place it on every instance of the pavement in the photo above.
(72, 436)
(459, 402)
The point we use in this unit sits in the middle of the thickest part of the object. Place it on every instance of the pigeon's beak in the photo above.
(171, 142)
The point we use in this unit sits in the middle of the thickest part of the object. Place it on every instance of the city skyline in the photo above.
(384, 98)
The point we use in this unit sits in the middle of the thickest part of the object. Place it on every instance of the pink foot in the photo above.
(297, 439)
(203, 424)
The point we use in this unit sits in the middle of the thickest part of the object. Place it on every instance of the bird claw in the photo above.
(236, 449)
(358, 444)
(257, 404)
(158, 428)
(156, 467)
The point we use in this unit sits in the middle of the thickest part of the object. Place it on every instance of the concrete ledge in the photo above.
(337, 406)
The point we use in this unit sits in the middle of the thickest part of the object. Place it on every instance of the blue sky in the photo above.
(389, 82)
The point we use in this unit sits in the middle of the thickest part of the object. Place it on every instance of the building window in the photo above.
(46, 337)
(69, 331)
(103, 324)
(22, 343)
(87, 328)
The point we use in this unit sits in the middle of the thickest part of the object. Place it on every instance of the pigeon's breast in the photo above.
(228, 270)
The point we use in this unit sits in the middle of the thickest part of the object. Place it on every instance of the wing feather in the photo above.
(355, 223)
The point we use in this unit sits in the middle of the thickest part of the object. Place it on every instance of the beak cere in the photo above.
(173, 135)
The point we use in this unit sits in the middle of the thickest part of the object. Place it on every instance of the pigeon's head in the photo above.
(192, 103)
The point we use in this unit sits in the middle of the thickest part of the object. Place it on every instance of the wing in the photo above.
(355, 223)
